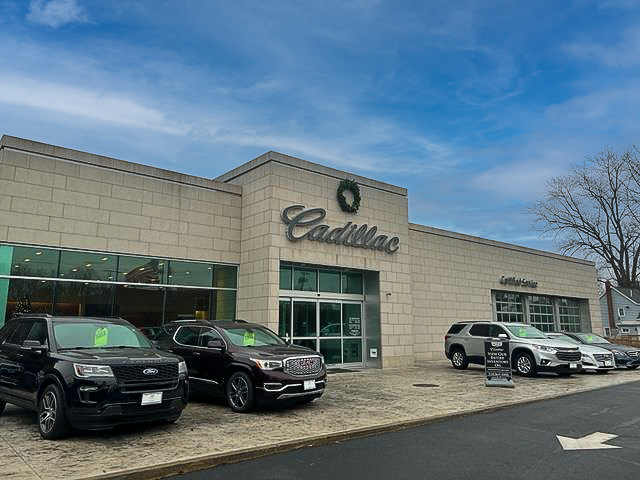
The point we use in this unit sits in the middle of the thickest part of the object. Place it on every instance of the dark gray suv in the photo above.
(530, 350)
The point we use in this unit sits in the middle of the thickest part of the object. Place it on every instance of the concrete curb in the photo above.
(183, 466)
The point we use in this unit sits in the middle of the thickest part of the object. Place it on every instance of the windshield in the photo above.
(591, 338)
(69, 335)
(252, 336)
(565, 338)
(525, 331)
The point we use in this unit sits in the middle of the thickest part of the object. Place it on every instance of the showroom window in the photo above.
(307, 279)
(147, 291)
(509, 307)
(546, 313)
(541, 313)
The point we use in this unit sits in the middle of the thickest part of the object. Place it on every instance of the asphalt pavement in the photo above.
(519, 442)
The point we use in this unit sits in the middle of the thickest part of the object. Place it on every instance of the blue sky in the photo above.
(471, 105)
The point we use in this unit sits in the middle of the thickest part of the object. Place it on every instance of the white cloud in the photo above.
(119, 109)
(55, 13)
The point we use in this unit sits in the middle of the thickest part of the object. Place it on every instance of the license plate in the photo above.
(608, 363)
(309, 385)
(573, 365)
(151, 398)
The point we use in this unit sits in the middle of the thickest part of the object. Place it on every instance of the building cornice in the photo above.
(99, 161)
(309, 167)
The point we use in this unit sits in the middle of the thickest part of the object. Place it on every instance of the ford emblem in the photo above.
(150, 371)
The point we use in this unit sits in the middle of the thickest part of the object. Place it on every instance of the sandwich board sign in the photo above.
(497, 363)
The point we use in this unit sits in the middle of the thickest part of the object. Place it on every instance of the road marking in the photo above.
(593, 441)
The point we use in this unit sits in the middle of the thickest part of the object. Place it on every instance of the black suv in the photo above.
(89, 373)
(246, 363)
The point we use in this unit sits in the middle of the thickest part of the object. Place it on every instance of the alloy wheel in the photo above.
(457, 359)
(524, 365)
(239, 394)
(48, 412)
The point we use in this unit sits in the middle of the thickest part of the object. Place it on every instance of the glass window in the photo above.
(351, 320)
(329, 281)
(541, 313)
(456, 328)
(480, 330)
(38, 332)
(140, 305)
(304, 280)
(29, 296)
(190, 273)
(304, 319)
(19, 335)
(88, 266)
(509, 307)
(187, 304)
(285, 278)
(331, 350)
(352, 282)
(223, 305)
(83, 299)
(208, 334)
(34, 262)
(330, 320)
(188, 335)
(284, 320)
(142, 270)
(225, 276)
(306, 343)
(571, 314)
(496, 330)
(352, 350)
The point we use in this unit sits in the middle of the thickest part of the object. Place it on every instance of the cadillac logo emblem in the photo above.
(150, 371)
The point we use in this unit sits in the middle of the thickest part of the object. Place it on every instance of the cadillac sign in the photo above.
(298, 217)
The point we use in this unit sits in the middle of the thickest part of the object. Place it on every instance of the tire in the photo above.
(239, 392)
(459, 360)
(2, 405)
(52, 417)
(524, 364)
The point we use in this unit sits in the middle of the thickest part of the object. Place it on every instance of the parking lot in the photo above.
(208, 433)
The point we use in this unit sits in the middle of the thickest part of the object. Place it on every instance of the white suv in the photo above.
(530, 350)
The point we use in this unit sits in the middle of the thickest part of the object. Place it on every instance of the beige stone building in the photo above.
(82, 234)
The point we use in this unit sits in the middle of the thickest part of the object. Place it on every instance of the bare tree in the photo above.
(595, 211)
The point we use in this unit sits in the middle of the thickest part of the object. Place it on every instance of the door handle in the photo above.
(196, 353)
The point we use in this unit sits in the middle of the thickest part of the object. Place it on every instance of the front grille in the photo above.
(568, 356)
(601, 357)
(134, 374)
(303, 365)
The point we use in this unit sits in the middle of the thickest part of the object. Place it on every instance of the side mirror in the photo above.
(34, 346)
(216, 343)
(502, 335)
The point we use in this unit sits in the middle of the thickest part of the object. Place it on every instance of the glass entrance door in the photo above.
(334, 328)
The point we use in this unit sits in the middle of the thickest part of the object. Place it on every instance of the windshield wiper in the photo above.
(77, 348)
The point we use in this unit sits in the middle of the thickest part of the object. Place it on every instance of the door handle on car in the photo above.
(196, 353)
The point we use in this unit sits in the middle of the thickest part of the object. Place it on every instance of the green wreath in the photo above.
(353, 187)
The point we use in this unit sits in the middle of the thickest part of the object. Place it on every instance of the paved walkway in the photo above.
(354, 402)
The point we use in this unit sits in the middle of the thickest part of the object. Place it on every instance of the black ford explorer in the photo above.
(246, 363)
(88, 373)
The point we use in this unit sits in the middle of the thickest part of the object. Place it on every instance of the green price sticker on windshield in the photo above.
(249, 338)
(590, 338)
(101, 337)
(522, 332)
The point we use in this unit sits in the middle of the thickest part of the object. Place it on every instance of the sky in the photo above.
(473, 106)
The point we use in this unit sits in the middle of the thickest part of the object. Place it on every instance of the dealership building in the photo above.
(324, 257)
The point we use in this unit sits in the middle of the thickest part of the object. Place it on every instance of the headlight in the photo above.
(544, 348)
(619, 354)
(267, 364)
(85, 371)
(182, 368)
